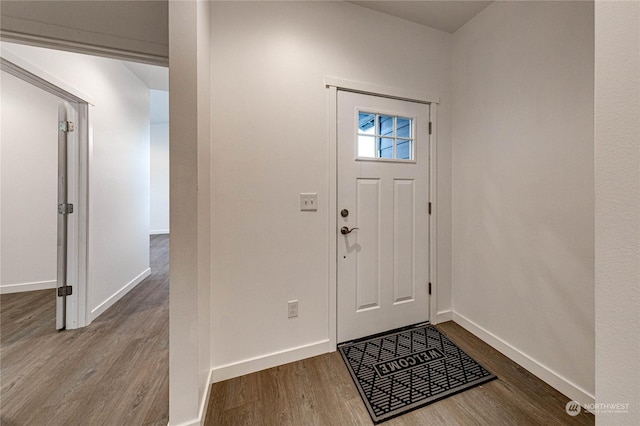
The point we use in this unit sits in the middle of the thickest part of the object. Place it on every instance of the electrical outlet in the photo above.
(292, 308)
(309, 201)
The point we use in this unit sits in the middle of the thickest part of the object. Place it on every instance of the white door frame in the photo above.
(77, 178)
(334, 85)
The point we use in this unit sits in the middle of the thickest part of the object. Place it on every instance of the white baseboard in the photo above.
(555, 380)
(204, 403)
(444, 316)
(159, 232)
(18, 288)
(194, 422)
(97, 311)
(251, 365)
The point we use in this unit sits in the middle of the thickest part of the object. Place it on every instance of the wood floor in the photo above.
(319, 391)
(113, 372)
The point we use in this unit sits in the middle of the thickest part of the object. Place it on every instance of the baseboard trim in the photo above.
(19, 288)
(444, 316)
(194, 422)
(204, 404)
(539, 370)
(251, 365)
(202, 411)
(97, 311)
(159, 232)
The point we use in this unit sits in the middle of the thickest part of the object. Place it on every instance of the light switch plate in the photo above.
(308, 201)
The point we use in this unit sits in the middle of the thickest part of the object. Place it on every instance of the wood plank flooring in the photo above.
(319, 391)
(113, 372)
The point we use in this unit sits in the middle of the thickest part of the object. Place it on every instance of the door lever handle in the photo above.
(345, 230)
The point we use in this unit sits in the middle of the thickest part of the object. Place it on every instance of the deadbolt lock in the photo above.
(344, 213)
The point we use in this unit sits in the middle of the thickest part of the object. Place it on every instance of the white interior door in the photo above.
(383, 214)
(67, 247)
(61, 280)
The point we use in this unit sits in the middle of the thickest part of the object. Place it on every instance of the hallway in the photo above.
(113, 372)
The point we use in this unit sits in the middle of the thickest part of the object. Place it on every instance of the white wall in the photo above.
(118, 168)
(523, 203)
(617, 195)
(270, 142)
(159, 163)
(190, 269)
(138, 28)
(159, 196)
(29, 168)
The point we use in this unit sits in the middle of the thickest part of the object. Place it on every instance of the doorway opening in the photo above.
(40, 251)
(383, 198)
(383, 171)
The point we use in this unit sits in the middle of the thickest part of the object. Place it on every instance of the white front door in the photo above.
(383, 214)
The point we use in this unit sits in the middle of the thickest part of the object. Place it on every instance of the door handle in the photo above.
(345, 230)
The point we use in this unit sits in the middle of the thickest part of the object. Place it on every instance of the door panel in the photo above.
(368, 244)
(403, 240)
(383, 182)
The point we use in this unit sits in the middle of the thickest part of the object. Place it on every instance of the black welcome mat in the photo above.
(405, 369)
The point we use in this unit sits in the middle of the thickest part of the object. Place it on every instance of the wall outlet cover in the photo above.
(292, 308)
(309, 201)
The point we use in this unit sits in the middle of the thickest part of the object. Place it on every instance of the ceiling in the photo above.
(447, 16)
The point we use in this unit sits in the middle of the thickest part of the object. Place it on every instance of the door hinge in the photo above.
(65, 208)
(65, 290)
(429, 207)
(66, 126)
(429, 288)
(430, 127)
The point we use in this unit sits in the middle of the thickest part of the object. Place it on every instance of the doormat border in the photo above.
(416, 405)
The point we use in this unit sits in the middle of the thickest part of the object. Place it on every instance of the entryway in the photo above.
(318, 390)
